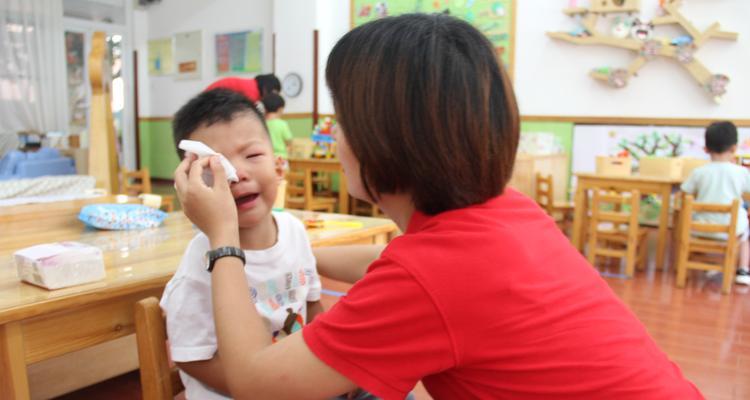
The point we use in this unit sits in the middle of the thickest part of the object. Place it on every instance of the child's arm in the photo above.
(313, 309)
(346, 263)
(209, 372)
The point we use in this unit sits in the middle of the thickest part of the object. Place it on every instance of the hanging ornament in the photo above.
(621, 27)
(641, 30)
(651, 49)
(685, 53)
(717, 86)
(618, 78)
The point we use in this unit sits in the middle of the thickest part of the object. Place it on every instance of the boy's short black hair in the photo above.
(208, 108)
(721, 136)
(267, 83)
(272, 102)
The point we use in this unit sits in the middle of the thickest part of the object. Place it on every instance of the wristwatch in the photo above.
(215, 254)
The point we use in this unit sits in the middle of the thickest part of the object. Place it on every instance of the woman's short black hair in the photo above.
(272, 102)
(721, 136)
(208, 108)
(427, 110)
(267, 83)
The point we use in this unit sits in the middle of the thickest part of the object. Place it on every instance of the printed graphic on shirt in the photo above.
(281, 301)
(292, 323)
(269, 289)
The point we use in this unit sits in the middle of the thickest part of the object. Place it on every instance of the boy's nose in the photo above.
(243, 175)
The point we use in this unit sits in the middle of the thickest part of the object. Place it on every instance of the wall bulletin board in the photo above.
(494, 18)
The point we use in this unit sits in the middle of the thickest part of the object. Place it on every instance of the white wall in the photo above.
(163, 95)
(294, 23)
(332, 23)
(140, 40)
(551, 76)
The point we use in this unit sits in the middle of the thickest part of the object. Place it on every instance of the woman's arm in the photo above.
(346, 263)
(252, 367)
(207, 371)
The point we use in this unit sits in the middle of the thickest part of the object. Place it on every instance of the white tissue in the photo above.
(201, 150)
(59, 265)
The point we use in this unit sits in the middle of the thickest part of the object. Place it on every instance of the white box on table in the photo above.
(59, 265)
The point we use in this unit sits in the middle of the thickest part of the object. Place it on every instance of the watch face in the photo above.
(292, 85)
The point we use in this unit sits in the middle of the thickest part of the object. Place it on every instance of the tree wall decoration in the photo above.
(632, 34)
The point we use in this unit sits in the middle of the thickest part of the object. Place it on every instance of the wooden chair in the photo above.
(138, 182)
(606, 234)
(545, 197)
(299, 193)
(694, 252)
(159, 380)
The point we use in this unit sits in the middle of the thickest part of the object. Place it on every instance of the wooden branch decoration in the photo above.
(634, 35)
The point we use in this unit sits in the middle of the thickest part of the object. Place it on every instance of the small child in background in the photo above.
(280, 267)
(281, 135)
(721, 181)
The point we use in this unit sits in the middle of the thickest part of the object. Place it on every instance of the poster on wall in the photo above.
(239, 52)
(188, 50)
(160, 57)
(494, 18)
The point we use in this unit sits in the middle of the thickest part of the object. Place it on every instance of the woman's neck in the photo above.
(398, 207)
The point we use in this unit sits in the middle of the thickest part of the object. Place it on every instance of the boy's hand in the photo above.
(211, 209)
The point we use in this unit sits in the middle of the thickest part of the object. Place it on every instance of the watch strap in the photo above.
(228, 251)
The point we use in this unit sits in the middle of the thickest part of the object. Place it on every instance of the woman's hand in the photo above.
(212, 209)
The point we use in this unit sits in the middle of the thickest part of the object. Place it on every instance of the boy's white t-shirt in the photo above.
(721, 183)
(282, 279)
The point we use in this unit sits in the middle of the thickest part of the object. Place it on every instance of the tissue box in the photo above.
(59, 265)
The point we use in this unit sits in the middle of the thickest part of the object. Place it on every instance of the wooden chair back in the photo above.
(545, 193)
(300, 194)
(694, 250)
(159, 380)
(606, 228)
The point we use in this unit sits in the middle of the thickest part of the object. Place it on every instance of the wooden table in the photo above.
(62, 335)
(660, 186)
(328, 165)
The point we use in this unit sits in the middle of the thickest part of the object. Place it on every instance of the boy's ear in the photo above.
(706, 150)
(279, 167)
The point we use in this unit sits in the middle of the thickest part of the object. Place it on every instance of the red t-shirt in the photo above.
(491, 302)
(248, 87)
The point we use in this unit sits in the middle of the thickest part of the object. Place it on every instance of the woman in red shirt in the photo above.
(482, 296)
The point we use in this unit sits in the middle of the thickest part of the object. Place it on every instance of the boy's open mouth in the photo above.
(246, 199)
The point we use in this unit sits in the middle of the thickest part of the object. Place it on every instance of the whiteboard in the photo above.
(551, 76)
